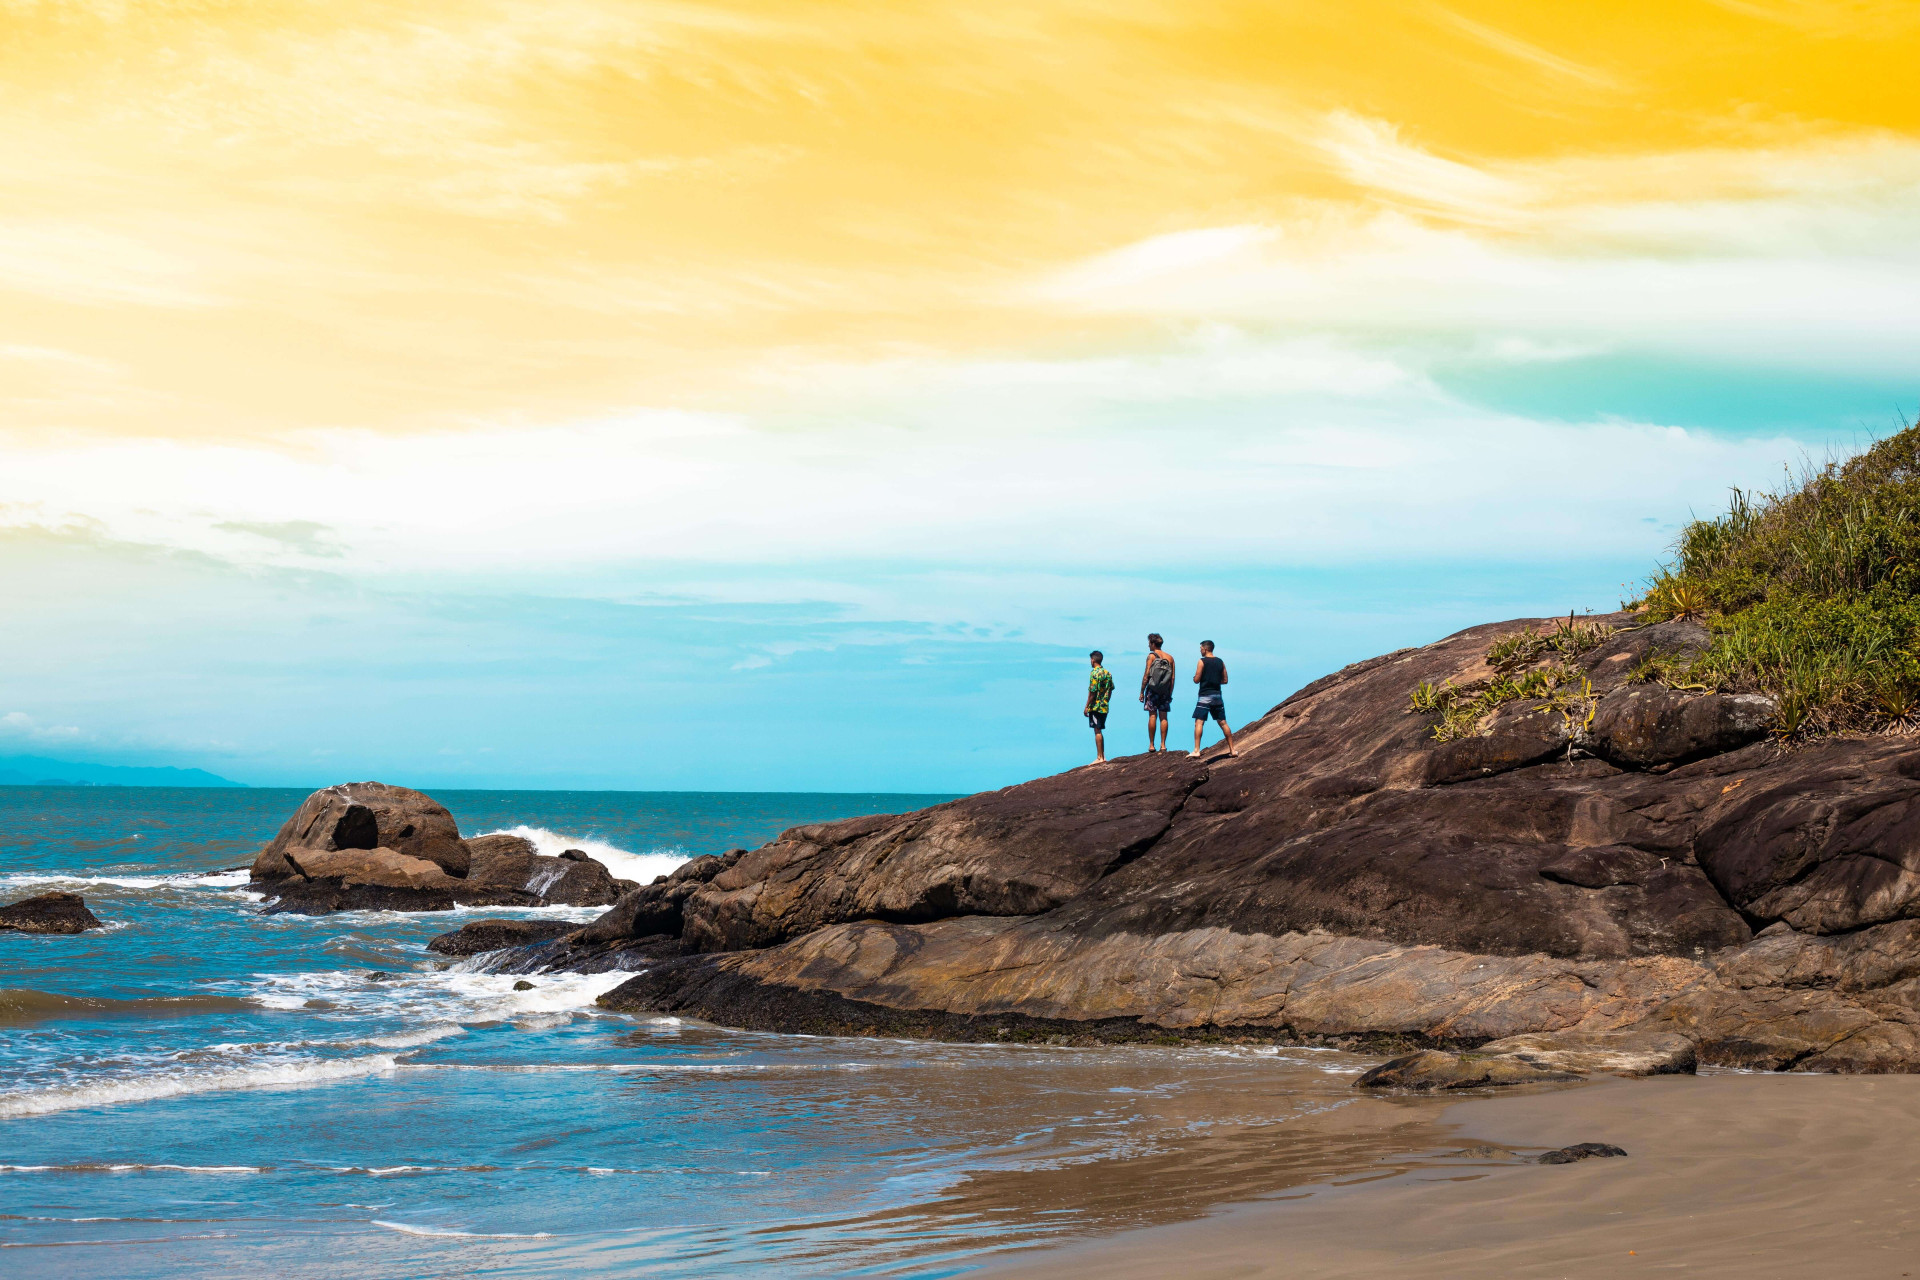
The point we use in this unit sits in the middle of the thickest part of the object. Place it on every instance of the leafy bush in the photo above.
(1809, 595)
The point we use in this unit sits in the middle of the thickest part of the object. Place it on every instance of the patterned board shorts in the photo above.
(1211, 704)
(1158, 704)
(1098, 719)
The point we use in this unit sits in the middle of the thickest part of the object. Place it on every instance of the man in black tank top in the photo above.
(1210, 673)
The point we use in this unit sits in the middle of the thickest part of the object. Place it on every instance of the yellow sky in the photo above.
(236, 219)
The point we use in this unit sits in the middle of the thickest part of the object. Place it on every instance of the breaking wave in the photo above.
(642, 867)
(164, 1083)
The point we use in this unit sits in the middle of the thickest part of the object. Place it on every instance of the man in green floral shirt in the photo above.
(1099, 694)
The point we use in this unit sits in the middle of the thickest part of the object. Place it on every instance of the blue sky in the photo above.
(765, 395)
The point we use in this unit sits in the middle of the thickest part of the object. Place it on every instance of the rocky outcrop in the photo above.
(367, 846)
(479, 936)
(49, 913)
(572, 879)
(367, 815)
(1607, 857)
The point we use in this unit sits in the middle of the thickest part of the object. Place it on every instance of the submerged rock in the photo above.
(1580, 1151)
(1434, 1069)
(50, 913)
(364, 846)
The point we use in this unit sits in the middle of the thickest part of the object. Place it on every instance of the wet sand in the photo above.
(1727, 1175)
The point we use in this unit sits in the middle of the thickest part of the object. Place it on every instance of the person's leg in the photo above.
(1166, 723)
(1099, 747)
(1228, 730)
(1153, 718)
(1199, 726)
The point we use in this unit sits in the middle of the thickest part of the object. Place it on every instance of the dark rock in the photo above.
(1643, 726)
(49, 913)
(477, 936)
(483, 849)
(523, 985)
(1434, 1069)
(367, 815)
(1579, 1151)
(572, 879)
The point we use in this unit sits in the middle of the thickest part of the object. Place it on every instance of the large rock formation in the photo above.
(1582, 863)
(369, 846)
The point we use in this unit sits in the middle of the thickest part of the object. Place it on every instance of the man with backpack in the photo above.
(1210, 673)
(1156, 691)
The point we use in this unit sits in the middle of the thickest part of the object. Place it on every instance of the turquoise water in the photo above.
(204, 1090)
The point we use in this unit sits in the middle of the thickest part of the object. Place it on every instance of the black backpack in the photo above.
(1160, 676)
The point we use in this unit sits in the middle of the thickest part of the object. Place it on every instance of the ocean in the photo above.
(201, 1090)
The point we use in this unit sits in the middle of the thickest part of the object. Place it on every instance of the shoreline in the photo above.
(1726, 1175)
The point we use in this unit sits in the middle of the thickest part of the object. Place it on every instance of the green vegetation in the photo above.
(1811, 595)
(1527, 664)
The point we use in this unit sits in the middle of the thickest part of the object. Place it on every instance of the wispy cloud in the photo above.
(1531, 54)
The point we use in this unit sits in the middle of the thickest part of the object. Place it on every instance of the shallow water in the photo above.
(202, 1089)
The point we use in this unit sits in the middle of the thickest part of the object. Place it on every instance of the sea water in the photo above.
(205, 1090)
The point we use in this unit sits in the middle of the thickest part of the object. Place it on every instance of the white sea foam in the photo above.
(448, 997)
(407, 1228)
(622, 863)
(175, 1081)
(413, 1039)
(125, 880)
(129, 1168)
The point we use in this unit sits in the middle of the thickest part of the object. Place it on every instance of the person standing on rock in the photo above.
(1099, 696)
(1210, 673)
(1156, 690)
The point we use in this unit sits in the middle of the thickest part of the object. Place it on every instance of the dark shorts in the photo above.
(1098, 719)
(1210, 704)
(1157, 704)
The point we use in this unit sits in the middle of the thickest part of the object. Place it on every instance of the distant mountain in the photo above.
(38, 771)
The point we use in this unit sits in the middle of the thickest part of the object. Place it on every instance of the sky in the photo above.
(787, 396)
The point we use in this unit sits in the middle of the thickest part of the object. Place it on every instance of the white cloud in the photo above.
(1798, 255)
(19, 725)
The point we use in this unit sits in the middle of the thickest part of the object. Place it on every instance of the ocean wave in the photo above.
(150, 1085)
(449, 996)
(124, 880)
(407, 1228)
(625, 865)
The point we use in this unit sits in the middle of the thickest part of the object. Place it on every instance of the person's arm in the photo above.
(1223, 672)
(1199, 667)
(1088, 709)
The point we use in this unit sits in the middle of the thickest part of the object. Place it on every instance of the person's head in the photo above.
(1096, 657)
(1206, 647)
(1155, 640)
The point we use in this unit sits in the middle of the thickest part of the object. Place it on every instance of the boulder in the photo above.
(49, 913)
(1430, 1070)
(368, 815)
(513, 863)
(385, 868)
(1645, 725)
(478, 936)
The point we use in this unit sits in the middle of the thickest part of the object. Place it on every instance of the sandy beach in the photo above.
(1727, 1175)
